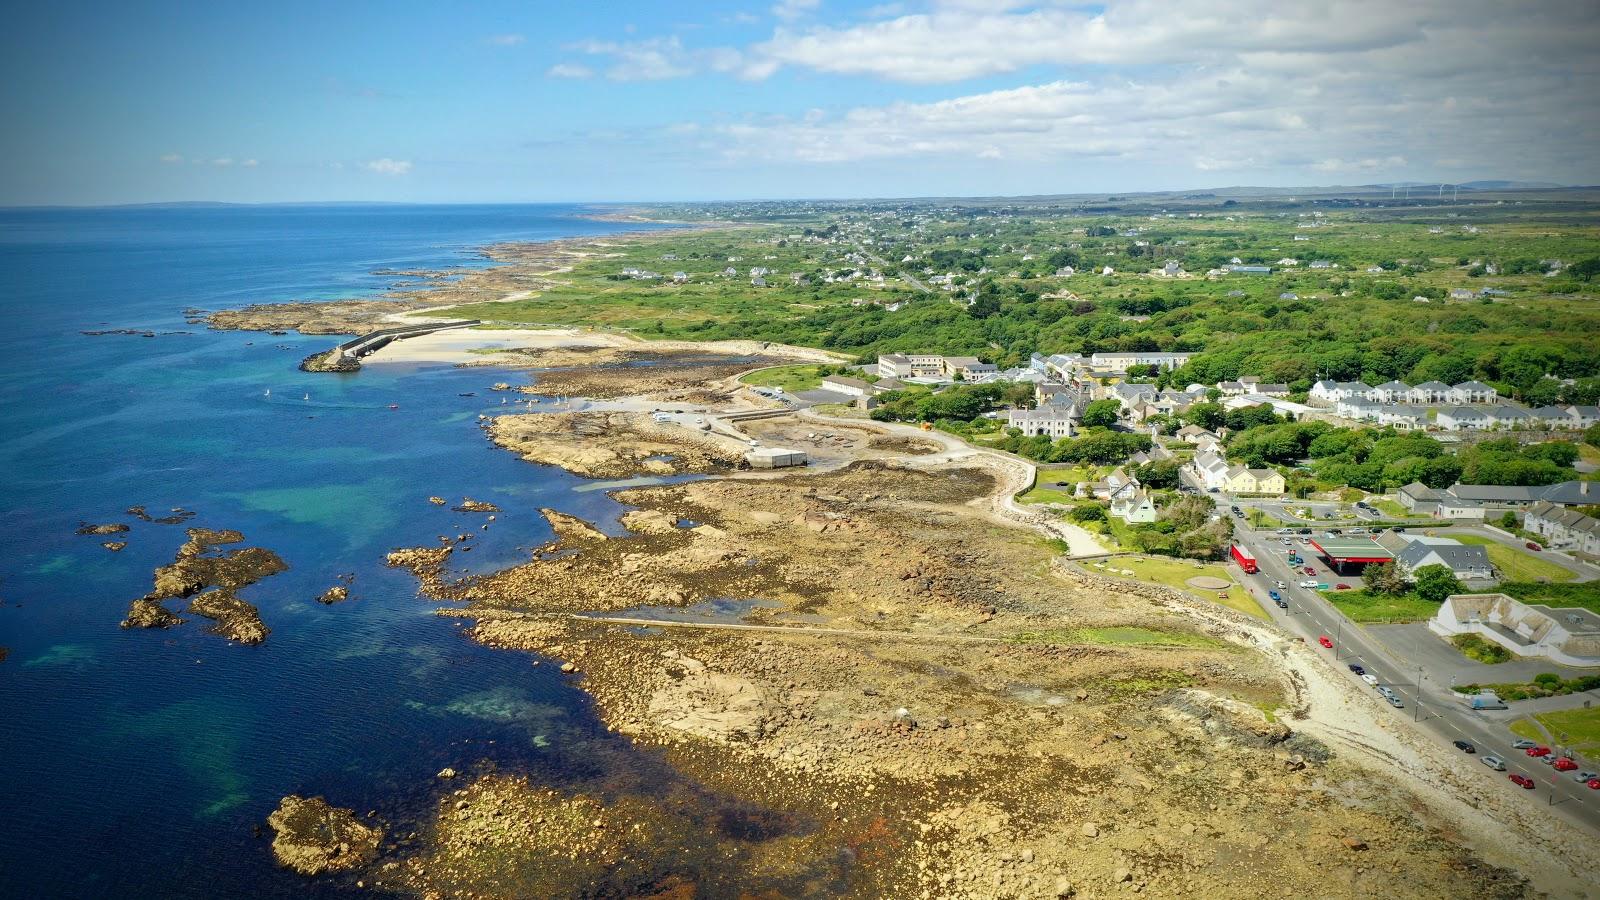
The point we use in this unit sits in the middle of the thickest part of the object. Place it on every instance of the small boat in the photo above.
(306, 397)
(394, 406)
(268, 393)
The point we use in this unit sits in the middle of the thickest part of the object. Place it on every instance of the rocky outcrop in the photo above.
(336, 594)
(478, 506)
(114, 546)
(571, 529)
(334, 360)
(112, 528)
(314, 838)
(236, 620)
(146, 612)
(199, 565)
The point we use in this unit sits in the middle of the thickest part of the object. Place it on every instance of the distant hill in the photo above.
(1510, 185)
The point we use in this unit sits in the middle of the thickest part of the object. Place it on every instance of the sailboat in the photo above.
(306, 397)
(268, 393)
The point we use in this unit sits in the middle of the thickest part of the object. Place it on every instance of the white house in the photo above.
(1392, 392)
(1430, 392)
(1122, 361)
(1134, 507)
(1563, 528)
(1051, 421)
(1472, 392)
(1569, 635)
(1455, 418)
(1403, 417)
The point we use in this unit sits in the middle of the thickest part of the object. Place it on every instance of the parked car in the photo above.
(1586, 777)
(1370, 678)
(1465, 746)
(1394, 701)
(1282, 603)
(1309, 571)
(1594, 784)
(1341, 586)
(1328, 643)
(1305, 531)
(1523, 744)
(1358, 669)
(1493, 762)
(1563, 764)
(1532, 546)
(1274, 595)
(1279, 585)
(1524, 783)
(1537, 751)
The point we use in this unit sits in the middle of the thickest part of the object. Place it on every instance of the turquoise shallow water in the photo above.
(138, 762)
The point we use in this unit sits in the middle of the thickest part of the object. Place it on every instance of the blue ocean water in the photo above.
(138, 763)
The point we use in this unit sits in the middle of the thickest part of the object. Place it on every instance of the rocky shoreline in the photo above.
(964, 733)
(611, 444)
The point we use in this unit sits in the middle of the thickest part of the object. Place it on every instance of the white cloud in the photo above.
(504, 40)
(222, 162)
(789, 10)
(655, 59)
(569, 70)
(250, 163)
(387, 166)
(172, 157)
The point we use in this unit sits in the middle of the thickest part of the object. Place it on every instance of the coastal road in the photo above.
(1430, 706)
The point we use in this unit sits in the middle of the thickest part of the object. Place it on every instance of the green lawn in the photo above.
(1389, 508)
(1046, 495)
(1475, 647)
(1517, 565)
(1175, 573)
(1581, 727)
(1259, 519)
(1584, 594)
(1361, 606)
(791, 378)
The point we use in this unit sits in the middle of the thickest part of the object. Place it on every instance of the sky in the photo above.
(653, 101)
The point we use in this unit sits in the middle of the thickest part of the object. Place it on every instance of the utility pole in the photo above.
(1417, 716)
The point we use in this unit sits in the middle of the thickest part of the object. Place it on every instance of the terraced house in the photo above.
(1563, 528)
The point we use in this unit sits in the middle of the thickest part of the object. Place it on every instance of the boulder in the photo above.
(313, 838)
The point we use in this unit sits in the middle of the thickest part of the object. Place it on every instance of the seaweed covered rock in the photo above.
(313, 837)
(147, 612)
(236, 620)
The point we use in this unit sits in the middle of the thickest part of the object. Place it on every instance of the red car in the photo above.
(1525, 783)
(1563, 764)
(1538, 751)
(1532, 546)
(1341, 586)
(1310, 571)
(1594, 784)
(1324, 641)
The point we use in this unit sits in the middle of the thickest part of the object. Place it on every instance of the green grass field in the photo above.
(1175, 573)
(1517, 565)
(1046, 495)
(1581, 727)
(1389, 508)
(1585, 594)
(791, 378)
(1361, 606)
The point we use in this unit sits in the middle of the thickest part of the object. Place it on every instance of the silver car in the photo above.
(1493, 762)
(1585, 776)
(1523, 744)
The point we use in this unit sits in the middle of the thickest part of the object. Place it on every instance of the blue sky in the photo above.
(108, 103)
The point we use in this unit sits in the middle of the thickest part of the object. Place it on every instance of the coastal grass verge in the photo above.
(1581, 594)
(792, 379)
(1175, 574)
(1119, 636)
(1578, 729)
(1381, 609)
(1515, 564)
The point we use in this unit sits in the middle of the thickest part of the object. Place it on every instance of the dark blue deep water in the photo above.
(134, 762)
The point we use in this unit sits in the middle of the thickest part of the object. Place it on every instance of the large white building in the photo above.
(1051, 421)
(1567, 635)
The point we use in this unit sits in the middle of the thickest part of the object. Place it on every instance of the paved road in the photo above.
(1428, 703)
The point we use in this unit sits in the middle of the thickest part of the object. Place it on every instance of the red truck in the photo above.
(1245, 559)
